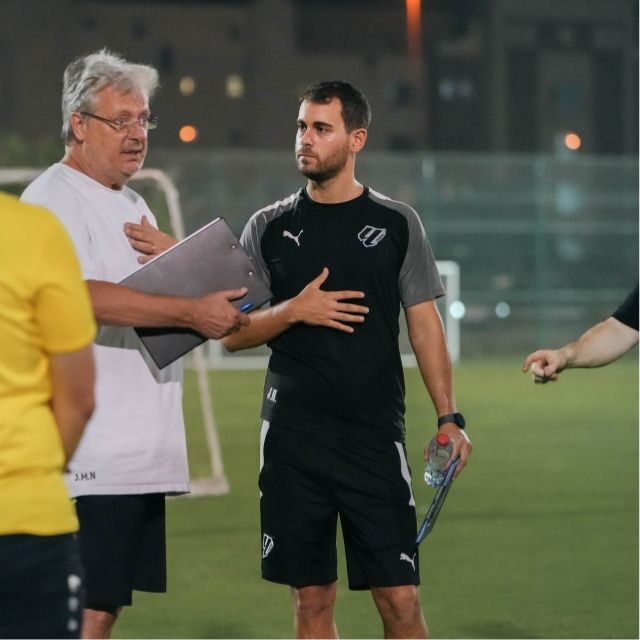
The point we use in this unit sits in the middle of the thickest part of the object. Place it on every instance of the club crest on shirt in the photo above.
(371, 236)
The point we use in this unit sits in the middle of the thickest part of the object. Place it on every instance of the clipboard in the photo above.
(436, 504)
(210, 259)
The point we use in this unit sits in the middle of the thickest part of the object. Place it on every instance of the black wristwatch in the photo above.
(456, 418)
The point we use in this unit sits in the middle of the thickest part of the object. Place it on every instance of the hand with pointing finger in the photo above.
(546, 364)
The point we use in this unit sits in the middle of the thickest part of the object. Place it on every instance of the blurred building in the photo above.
(492, 75)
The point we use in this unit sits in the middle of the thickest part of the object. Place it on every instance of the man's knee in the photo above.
(314, 602)
(398, 604)
(98, 622)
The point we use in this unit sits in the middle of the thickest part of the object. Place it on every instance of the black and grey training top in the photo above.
(322, 380)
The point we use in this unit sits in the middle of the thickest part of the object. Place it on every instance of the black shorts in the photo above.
(122, 546)
(307, 481)
(41, 591)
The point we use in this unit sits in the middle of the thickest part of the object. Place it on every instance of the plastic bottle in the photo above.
(440, 449)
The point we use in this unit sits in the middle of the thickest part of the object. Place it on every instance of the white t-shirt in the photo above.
(135, 440)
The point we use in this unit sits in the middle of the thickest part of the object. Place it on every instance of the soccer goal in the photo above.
(216, 483)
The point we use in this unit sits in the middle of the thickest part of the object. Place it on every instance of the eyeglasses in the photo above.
(119, 125)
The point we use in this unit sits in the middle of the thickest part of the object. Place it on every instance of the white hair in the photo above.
(88, 75)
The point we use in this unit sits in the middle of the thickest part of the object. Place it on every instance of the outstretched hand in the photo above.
(316, 307)
(146, 239)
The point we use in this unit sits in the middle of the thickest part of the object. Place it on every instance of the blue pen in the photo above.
(246, 307)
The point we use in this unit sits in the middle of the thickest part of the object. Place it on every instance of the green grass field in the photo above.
(538, 538)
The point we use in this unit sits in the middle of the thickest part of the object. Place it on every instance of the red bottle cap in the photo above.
(442, 439)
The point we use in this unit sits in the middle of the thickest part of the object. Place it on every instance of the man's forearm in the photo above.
(211, 315)
(116, 305)
(266, 324)
(427, 339)
(600, 345)
(435, 369)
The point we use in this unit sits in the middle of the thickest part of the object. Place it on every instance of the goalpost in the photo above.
(216, 483)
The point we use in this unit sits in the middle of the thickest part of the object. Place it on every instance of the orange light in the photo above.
(572, 141)
(188, 133)
(413, 28)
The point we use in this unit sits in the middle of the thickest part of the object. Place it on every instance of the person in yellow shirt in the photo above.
(46, 398)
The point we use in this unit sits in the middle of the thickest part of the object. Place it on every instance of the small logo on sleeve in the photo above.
(271, 394)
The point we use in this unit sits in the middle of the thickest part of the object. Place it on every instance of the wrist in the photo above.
(452, 418)
(185, 312)
(568, 355)
(291, 311)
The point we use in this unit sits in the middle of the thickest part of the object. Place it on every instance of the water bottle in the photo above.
(440, 449)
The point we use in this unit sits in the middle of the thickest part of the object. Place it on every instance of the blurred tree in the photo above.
(15, 152)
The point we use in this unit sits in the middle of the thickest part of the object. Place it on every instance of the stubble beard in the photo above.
(328, 168)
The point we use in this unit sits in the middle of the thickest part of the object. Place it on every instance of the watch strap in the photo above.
(457, 419)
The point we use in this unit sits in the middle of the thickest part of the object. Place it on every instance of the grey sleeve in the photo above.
(251, 242)
(419, 278)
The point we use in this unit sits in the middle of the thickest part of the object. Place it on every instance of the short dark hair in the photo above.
(356, 111)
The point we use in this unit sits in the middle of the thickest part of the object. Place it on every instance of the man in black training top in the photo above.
(602, 344)
(341, 259)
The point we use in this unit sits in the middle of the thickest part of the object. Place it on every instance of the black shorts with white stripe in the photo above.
(307, 481)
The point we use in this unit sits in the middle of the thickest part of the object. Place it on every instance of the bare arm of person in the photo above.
(312, 306)
(212, 315)
(426, 335)
(600, 345)
(72, 402)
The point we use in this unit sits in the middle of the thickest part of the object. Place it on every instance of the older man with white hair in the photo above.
(133, 452)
